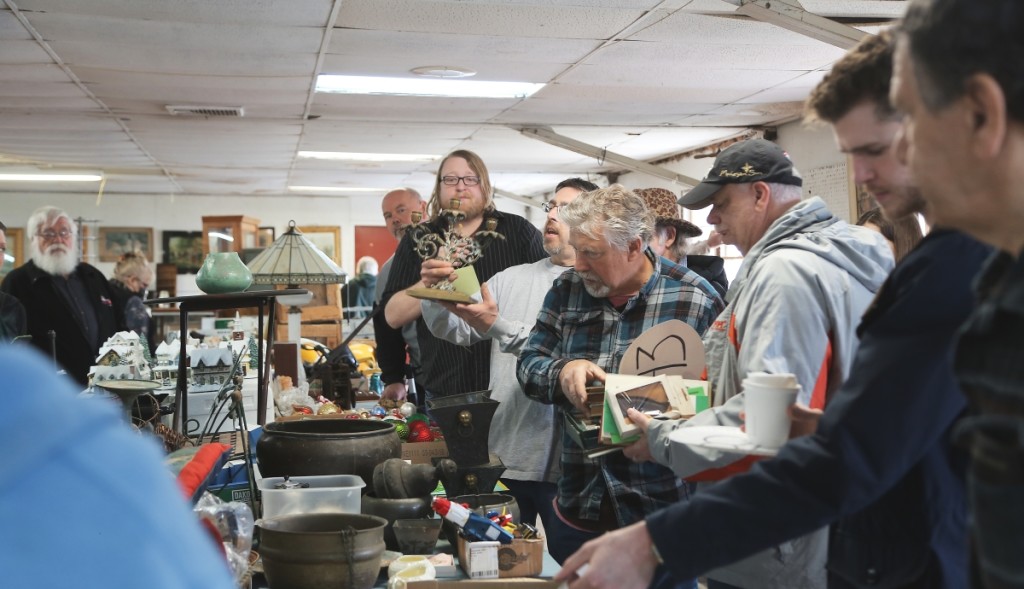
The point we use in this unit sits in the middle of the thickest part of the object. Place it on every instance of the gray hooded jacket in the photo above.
(793, 307)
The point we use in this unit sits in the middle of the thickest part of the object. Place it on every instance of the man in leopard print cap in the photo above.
(670, 238)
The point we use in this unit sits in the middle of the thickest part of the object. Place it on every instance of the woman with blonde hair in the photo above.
(132, 277)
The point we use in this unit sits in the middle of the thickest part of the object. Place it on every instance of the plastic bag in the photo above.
(234, 523)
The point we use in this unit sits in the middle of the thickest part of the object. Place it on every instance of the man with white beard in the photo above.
(71, 299)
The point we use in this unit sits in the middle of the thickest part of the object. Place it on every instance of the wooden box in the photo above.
(325, 306)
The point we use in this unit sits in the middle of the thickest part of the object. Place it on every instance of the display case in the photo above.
(231, 233)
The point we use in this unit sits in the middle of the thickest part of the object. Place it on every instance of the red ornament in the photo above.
(420, 435)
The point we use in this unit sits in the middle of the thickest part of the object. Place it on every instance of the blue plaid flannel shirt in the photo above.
(574, 325)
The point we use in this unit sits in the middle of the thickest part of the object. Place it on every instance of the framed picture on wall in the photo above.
(15, 254)
(114, 242)
(184, 249)
(265, 236)
(325, 237)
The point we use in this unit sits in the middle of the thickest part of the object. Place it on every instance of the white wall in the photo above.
(184, 213)
(812, 148)
(813, 151)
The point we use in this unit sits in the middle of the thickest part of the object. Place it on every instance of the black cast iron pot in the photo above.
(326, 446)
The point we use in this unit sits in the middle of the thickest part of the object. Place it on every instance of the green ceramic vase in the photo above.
(223, 272)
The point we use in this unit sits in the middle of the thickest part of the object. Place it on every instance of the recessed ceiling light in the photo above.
(368, 157)
(423, 87)
(443, 71)
(334, 189)
(39, 177)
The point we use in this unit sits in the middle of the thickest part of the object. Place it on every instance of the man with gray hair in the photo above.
(61, 296)
(617, 290)
(793, 307)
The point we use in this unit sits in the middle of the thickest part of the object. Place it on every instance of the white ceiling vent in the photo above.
(206, 111)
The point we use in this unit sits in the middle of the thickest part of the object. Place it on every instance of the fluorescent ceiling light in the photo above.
(223, 236)
(368, 157)
(48, 177)
(423, 87)
(334, 189)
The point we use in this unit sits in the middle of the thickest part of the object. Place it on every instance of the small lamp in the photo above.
(293, 260)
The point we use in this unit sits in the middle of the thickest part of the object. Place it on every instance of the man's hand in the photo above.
(480, 316)
(622, 559)
(395, 390)
(639, 451)
(434, 271)
(804, 420)
(574, 378)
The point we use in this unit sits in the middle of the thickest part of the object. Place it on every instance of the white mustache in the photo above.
(55, 249)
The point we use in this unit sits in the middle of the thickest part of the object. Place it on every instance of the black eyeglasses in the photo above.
(454, 180)
(549, 206)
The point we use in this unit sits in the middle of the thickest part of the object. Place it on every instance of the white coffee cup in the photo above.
(767, 412)
(769, 379)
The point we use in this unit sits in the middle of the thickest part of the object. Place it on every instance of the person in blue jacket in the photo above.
(879, 468)
(84, 500)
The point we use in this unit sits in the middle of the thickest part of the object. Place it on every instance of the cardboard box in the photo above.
(423, 452)
(484, 560)
(231, 483)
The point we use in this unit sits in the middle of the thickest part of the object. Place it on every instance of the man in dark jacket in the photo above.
(879, 468)
(60, 295)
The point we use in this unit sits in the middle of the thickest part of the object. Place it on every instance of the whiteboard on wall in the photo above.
(833, 184)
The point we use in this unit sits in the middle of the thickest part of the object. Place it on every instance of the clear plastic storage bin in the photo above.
(325, 494)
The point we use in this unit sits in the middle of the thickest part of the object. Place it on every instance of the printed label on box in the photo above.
(483, 560)
(423, 452)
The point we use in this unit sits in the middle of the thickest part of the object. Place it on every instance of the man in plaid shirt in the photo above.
(618, 290)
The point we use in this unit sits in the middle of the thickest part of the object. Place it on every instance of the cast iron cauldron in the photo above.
(324, 446)
(322, 550)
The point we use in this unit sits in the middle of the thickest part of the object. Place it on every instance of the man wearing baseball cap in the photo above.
(671, 238)
(793, 307)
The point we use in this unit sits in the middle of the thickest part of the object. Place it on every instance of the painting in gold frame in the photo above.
(15, 254)
(327, 238)
(114, 242)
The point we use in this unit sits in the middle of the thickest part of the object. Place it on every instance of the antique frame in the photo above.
(184, 249)
(15, 249)
(325, 237)
(117, 241)
(265, 236)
